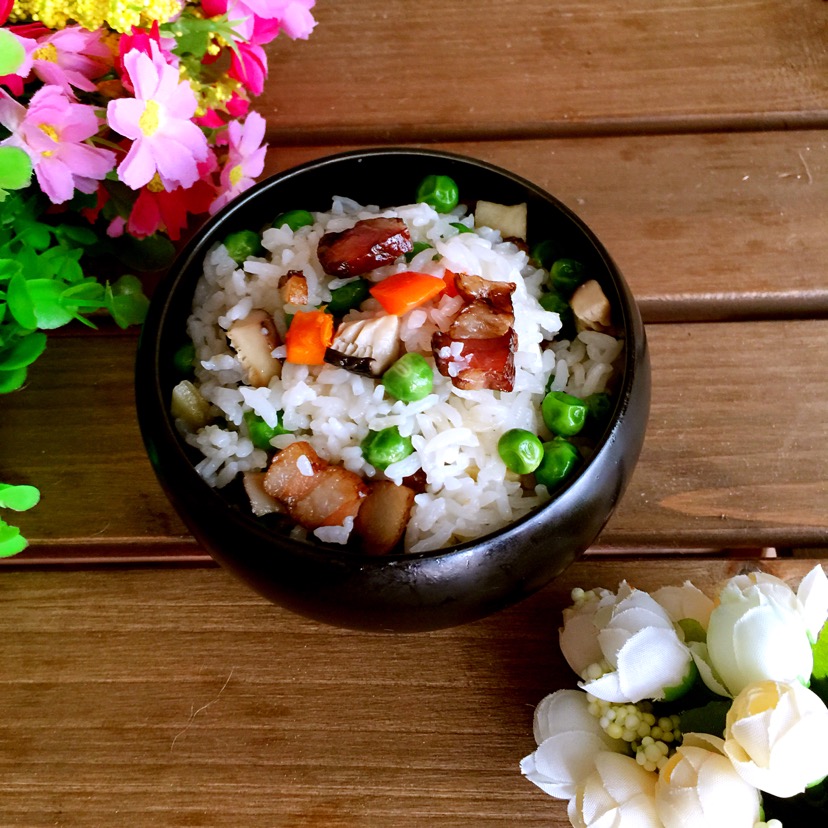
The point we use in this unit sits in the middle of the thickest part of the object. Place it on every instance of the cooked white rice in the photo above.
(454, 432)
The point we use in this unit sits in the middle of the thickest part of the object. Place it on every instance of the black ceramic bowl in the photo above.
(396, 592)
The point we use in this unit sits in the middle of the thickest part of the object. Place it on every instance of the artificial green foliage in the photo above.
(819, 676)
(46, 283)
(18, 498)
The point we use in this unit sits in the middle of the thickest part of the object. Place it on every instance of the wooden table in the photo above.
(143, 686)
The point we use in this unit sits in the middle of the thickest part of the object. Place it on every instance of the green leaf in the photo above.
(46, 296)
(24, 352)
(20, 498)
(152, 253)
(12, 53)
(126, 302)
(693, 630)
(819, 676)
(820, 649)
(11, 541)
(15, 165)
(9, 268)
(12, 380)
(35, 234)
(20, 302)
(76, 234)
(708, 719)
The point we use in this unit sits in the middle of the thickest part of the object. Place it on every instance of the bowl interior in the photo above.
(383, 177)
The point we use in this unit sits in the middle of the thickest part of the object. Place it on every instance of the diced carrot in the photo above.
(451, 286)
(307, 338)
(403, 292)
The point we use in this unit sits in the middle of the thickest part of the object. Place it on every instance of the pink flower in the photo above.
(71, 57)
(158, 122)
(141, 39)
(248, 65)
(297, 20)
(53, 130)
(245, 158)
(259, 21)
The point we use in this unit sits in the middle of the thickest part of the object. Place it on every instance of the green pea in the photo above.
(599, 406)
(545, 252)
(553, 301)
(560, 459)
(382, 448)
(460, 227)
(520, 450)
(243, 244)
(293, 219)
(439, 192)
(347, 297)
(566, 274)
(410, 378)
(416, 248)
(184, 358)
(260, 432)
(563, 414)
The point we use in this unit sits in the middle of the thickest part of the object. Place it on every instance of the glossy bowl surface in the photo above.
(398, 592)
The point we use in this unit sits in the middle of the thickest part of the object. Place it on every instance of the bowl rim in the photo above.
(148, 357)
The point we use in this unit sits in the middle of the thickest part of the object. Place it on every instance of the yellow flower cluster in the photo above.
(215, 93)
(120, 15)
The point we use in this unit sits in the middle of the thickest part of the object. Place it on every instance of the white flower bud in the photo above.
(776, 734)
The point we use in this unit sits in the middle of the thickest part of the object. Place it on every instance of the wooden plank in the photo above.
(704, 227)
(428, 70)
(156, 697)
(736, 453)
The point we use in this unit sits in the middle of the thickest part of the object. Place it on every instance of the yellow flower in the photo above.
(119, 15)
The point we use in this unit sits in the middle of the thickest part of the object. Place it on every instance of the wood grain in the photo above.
(179, 698)
(428, 70)
(736, 452)
(703, 227)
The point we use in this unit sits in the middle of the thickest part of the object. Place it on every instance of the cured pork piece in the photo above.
(474, 364)
(383, 516)
(370, 243)
(477, 352)
(314, 492)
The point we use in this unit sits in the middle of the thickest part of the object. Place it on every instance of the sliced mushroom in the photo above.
(510, 219)
(261, 503)
(383, 516)
(253, 339)
(591, 307)
(366, 346)
(293, 288)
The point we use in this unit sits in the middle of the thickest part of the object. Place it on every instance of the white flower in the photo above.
(776, 734)
(700, 787)
(578, 637)
(619, 793)
(569, 738)
(761, 629)
(640, 643)
(685, 602)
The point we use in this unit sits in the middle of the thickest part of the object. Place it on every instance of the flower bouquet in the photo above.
(691, 711)
(119, 123)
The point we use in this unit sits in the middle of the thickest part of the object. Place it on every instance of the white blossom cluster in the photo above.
(611, 751)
